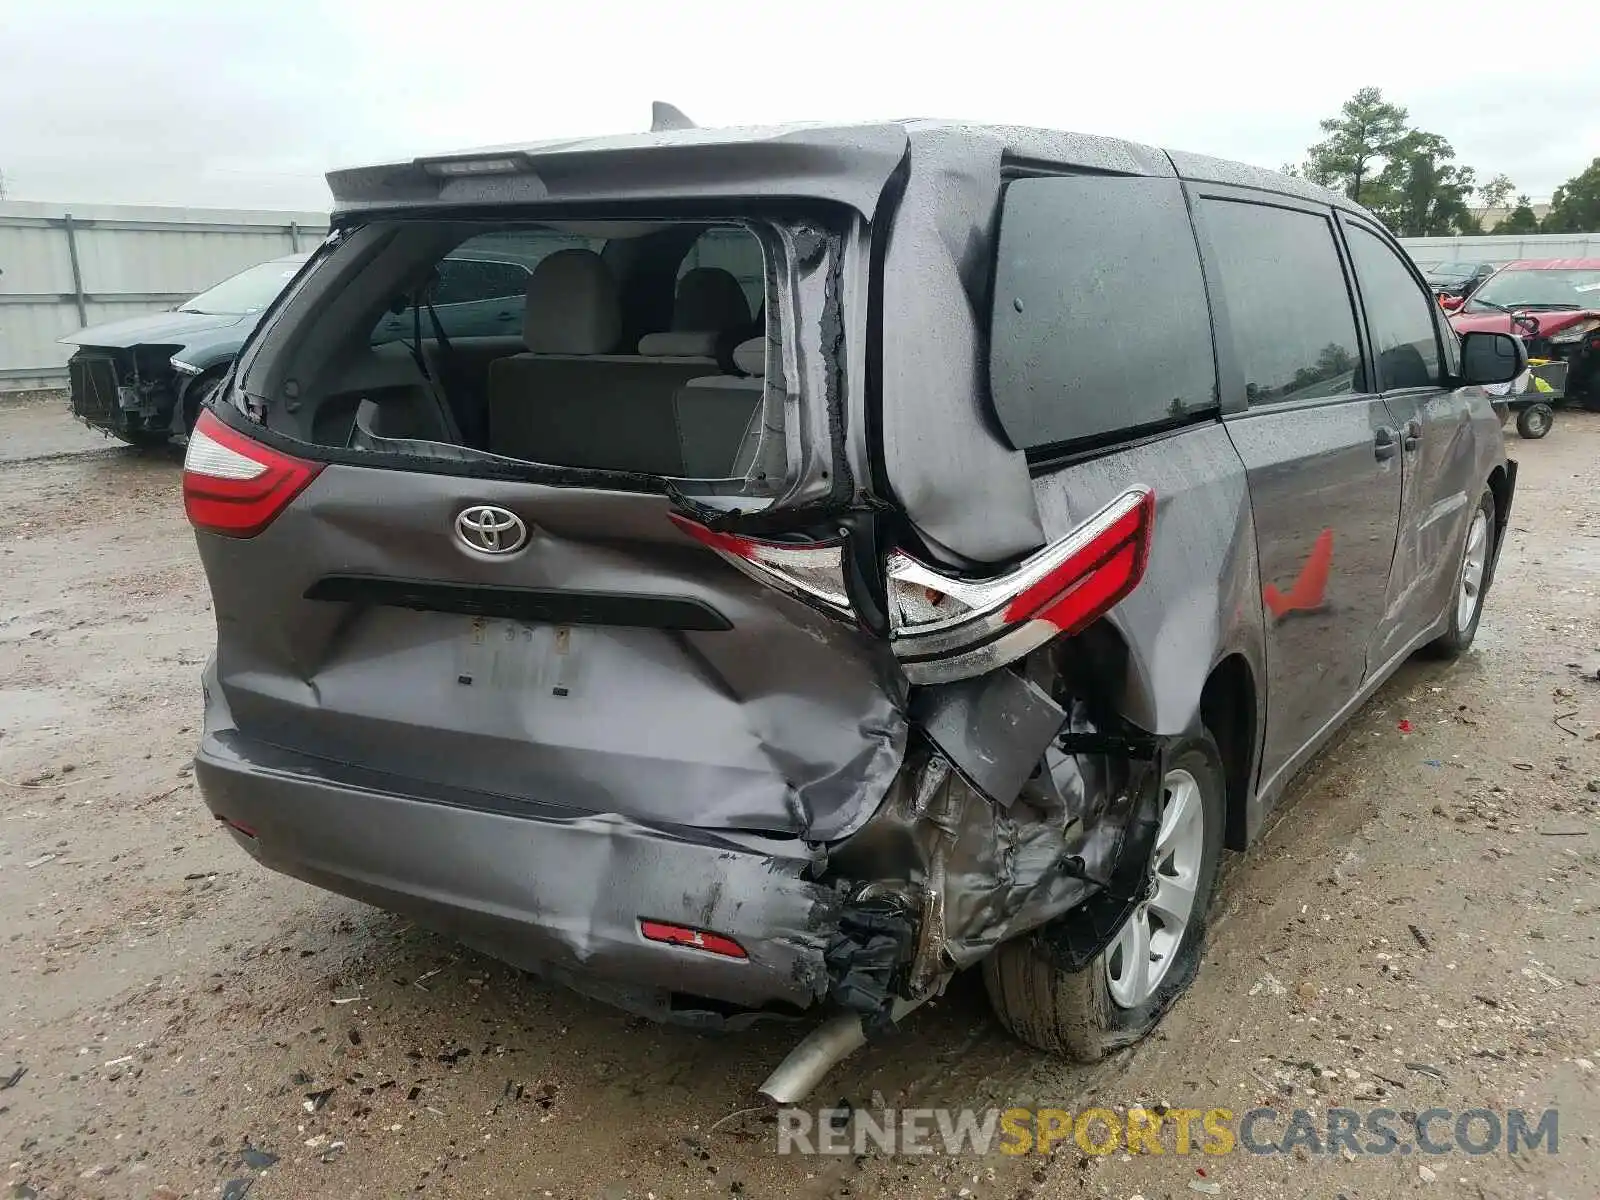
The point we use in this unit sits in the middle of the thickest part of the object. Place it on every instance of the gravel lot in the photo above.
(1417, 930)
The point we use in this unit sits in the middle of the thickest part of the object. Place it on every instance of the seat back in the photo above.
(718, 418)
(709, 305)
(608, 413)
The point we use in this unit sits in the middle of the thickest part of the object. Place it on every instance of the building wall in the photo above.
(64, 267)
(1496, 249)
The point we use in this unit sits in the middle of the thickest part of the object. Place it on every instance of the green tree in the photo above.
(1520, 219)
(1575, 208)
(1421, 191)
(1363, 133)
(1311, 172)
(1494, 194)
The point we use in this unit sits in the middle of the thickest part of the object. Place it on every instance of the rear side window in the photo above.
(1399, 314)
(464, 279)
(480, 287)
(1100, 323)
(1293, 324)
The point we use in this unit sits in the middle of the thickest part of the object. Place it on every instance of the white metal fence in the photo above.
(1498, 249)
(63, 267)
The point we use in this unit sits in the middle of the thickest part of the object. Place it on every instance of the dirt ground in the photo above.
(1416, 930)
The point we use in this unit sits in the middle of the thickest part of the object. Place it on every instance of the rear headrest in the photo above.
(709, 298)
(685, 344)
(573, 307)
(751, 357)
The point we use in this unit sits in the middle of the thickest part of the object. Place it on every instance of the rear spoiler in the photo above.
(841, 165)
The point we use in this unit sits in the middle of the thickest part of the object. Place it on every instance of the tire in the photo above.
(1535, 420)
(1087, 1014)
(144, 439)
(1457, 638)
(198, 393)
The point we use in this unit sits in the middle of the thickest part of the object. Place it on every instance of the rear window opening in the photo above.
(642, 348)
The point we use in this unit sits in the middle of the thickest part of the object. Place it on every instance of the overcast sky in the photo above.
(245, 104)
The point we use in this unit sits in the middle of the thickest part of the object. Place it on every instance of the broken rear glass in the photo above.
(634, 348)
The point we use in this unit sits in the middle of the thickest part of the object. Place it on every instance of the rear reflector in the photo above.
(945, 629)
(692, 939)
(240, 826)
(234, 485)
(810, 571)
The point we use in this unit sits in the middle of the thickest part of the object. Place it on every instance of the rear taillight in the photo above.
(810, 571)
(944, 629)
(235, 486)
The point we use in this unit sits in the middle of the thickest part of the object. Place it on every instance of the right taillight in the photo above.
(234, 485)
(944, 628)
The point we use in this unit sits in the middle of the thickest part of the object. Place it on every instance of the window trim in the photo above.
(1348, 222)
(1230, 363)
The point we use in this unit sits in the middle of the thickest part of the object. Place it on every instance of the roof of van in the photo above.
(848, 164)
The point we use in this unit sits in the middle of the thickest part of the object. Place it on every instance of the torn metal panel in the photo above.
(977, 873)
(964, 489)
(993, 728)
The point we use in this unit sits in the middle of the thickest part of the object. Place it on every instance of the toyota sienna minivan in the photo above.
(870, 552)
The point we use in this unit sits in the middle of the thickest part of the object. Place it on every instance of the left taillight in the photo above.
(234, 485)
(944, 629)
(809, 571)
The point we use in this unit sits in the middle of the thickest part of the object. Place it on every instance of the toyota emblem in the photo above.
(487, 529)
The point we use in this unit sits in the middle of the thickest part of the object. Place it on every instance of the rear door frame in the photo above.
(1269, 777)
(1408, 407)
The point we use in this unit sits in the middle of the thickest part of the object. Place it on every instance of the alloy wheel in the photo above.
(1144, 950)
(1473, 563)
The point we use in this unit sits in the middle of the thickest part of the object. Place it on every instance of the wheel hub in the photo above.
(1474, 561)
(1144, 949)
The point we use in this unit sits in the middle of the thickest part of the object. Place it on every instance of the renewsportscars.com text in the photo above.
(1180, 1131)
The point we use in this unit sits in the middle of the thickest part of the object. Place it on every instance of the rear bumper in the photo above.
(560, 893)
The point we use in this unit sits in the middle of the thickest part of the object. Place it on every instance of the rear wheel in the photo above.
(1120, 996)
(198, 393)
(1472, 578)
(1535, 420)
(145, 439)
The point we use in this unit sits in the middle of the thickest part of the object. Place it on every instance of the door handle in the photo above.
(1412, 435)
(1385, 443)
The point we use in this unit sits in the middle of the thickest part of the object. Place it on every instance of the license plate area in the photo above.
(521, 657)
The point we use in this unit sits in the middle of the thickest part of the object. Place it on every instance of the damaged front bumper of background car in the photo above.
(1010, 809)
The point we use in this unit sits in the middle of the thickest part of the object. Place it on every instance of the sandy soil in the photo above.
(1417, 929)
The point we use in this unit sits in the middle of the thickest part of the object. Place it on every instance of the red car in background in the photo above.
(1554, 306)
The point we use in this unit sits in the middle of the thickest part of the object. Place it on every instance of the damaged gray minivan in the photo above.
(865, 553)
